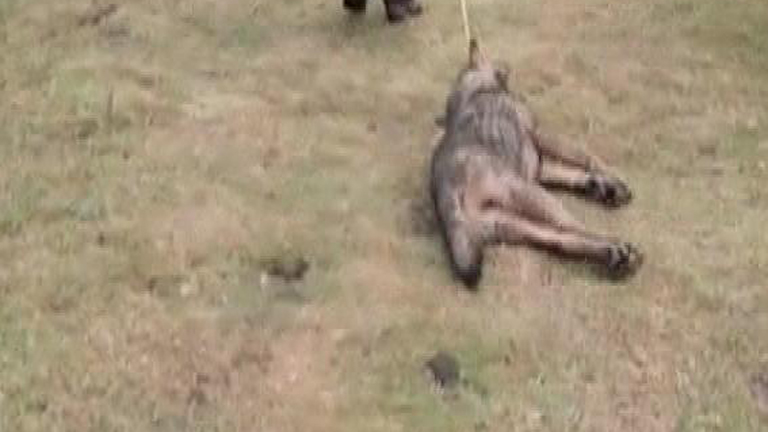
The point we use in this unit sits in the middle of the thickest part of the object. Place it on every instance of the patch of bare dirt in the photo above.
(301, 379)
(195, 232)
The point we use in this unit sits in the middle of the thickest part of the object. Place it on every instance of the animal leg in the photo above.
(553, 148)
(534, 216)
(597, 186)
(619, 258)
(533, 202)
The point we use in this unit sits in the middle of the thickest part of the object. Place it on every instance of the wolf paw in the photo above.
(610, 191)
(624, 260)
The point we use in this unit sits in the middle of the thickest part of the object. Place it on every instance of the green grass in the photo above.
(134, 227)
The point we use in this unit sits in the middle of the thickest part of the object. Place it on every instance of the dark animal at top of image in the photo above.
(488, 177)
(397, 10)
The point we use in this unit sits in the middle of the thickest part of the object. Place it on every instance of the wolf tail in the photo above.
(465, 247)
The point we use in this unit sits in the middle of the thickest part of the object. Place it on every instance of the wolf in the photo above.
(490, 173)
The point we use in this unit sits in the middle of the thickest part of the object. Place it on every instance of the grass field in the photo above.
(152, 161)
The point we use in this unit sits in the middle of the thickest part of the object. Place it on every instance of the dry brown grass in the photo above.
(132, 238)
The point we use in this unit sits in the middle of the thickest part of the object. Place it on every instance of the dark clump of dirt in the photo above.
(85, 128)
(96, 15)
(445, 369)
(164, 285)
(759, 388)
(197, 393)
(288, 268)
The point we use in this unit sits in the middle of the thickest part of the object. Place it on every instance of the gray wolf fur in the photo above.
(490, 173)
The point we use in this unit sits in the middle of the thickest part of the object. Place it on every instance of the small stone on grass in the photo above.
(445, 369)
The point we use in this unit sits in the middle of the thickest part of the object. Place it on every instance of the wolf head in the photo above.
(480, 75)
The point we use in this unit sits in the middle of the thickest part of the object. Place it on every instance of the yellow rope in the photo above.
(465, 15)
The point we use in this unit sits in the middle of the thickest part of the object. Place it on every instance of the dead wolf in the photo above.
(488, 177)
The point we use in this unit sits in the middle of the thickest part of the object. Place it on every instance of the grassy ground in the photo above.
(151, 162)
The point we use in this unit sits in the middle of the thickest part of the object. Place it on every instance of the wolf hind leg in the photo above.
(620, 259)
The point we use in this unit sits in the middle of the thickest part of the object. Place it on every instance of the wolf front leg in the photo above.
(553, 148)
(603, 188)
